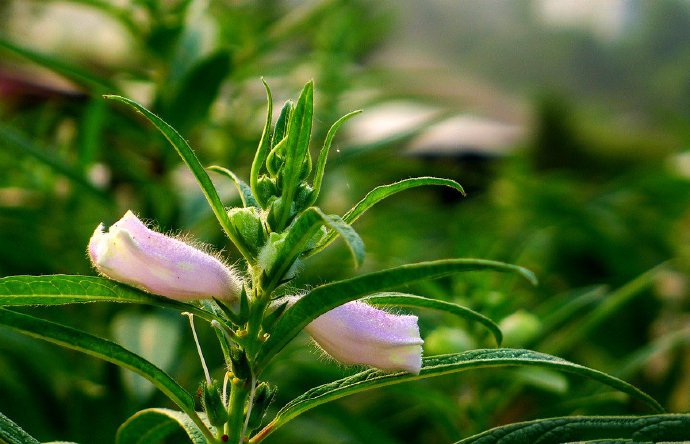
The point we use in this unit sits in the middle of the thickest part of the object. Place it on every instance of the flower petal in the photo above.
(357, 333)
(131, 253)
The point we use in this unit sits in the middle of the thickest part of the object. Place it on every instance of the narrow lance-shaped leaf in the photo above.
(98, 347)
(186, 153)
(151, 426)
(299, 134)
(378, 194)
(323, 155)
(409, 300)
(244, 189)
(11, 433)
(59, 289)
(438, 366)
(326, 297)
(302, 231)
(652, 428)
(264, 147)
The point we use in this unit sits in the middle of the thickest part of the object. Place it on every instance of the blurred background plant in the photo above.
(567, 122)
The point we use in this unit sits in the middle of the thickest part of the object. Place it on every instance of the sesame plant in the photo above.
(255, 308)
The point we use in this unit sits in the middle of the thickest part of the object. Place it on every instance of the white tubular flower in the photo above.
(131, 253)
(357, 333)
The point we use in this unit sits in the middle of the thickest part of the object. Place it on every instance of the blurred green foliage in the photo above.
(598, 208)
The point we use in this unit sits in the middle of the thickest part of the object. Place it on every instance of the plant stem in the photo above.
(238, 398)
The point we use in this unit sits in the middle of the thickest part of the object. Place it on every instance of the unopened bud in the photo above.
(211, 400)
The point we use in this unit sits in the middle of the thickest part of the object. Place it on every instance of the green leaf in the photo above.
(301, 232)
(26, 146)
(186, 153)
(153, 425)
(73, 73)
(653, 428)
(378, 194)
(264, 147)
(323, 155)
(438, 366)
(11, 433)
(297, 150)
(326, 297)
(244, 189)
(409, 300)
(59, 289)
(98, 347)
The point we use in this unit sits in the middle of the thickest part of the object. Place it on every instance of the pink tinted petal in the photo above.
(357, 333)
(131, 253)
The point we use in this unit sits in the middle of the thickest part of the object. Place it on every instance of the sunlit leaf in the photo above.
(443, 365)
(654, 428)
(59, 289)
(326, 297)
(378, 194)
(297, 149)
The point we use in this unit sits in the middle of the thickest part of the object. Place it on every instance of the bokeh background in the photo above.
(567, 122)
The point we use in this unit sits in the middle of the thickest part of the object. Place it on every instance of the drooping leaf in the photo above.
(653, 428)
(323, 154)
(409, 300)
(378, 194)
(443, 365)
(11, 433)
(326, 297)
(244, 189)
(59, 289)
(151, 426)
(302, 231)
(188, 156)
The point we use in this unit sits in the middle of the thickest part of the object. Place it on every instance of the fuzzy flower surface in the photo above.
(357, 333)
(131, 253)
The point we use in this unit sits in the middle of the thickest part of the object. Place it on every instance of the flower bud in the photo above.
(357, 333)
(131, 253)
(216, 412)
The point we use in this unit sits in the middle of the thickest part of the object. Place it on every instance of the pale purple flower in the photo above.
(131, 253)
(357, 333)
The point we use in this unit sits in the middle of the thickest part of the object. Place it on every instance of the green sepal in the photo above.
(250, 226)
(244, 306)
(212, 402)
(271, 318)
(266, 189)
(263, 397)
(240, 364)
(228, 311)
